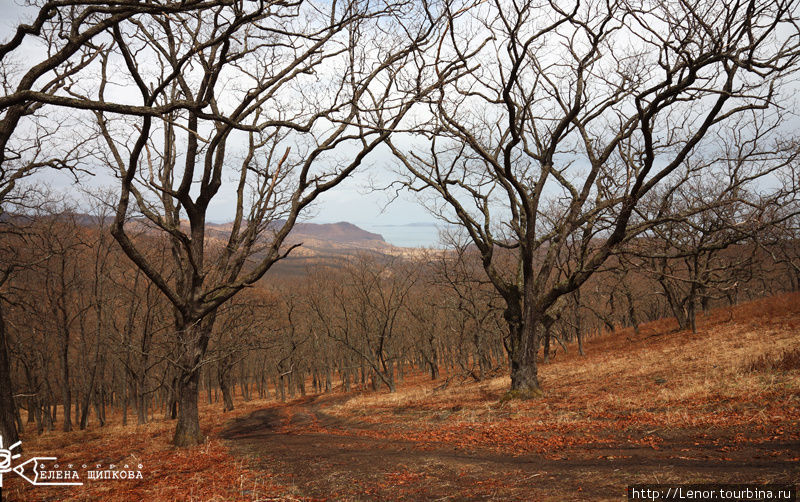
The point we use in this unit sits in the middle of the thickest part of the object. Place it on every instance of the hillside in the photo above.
(720, 405)
(321, 234)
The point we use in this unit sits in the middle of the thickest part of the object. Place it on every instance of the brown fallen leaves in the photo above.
(201, 473)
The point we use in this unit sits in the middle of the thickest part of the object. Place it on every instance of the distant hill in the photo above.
(324, 243)
(341, 232)
(321, 239)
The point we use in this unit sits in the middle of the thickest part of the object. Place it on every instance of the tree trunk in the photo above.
(47, 417)
(675, 305)
(31, 409)
(140, 399)
(434, 361)
(434, 370)
(195, 340)
(37, 415)
(100, 406)
(244, 378)
(8, 426)
(173, 399)
(125, 398)
(66, 391)
(301, 383)
(281, 383)
(546, 356)
(224, 385)
(89, 390)
(691, 315)
(632, 316)
(345, 374)
(187, 431)
(524, 371)
(208, 387)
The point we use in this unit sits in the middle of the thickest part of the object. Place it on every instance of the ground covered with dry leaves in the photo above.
(721, 405)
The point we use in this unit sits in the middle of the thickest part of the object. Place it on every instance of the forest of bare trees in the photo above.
(599, 165)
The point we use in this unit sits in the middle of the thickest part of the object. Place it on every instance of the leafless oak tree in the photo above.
(38, 63)
(293, 97)
(570, 115)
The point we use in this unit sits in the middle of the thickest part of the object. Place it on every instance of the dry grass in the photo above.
(787, 360)
(658, 379)
(206, 472)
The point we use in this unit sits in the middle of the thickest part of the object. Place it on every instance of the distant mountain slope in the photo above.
(341, 232)
(323, 243)
(320, 239)
(335, 232)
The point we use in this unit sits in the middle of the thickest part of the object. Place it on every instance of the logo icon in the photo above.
(34, 469)
(7, 455)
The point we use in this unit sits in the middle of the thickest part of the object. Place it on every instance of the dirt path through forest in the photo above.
(325, 457)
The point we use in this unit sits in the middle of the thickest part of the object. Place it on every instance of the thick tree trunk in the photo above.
(47, 417)
(434, 360)
(195, 342)
(345, 373)
(8, 426)
(37, 415)
(100, 406)
(301, 383)
(187, 431)
(524, 370)
(281, 383)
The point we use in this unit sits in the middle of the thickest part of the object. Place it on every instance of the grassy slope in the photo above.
(683, 399)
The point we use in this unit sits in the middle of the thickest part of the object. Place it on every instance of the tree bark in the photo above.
(195, 338)
(524, 370)
(187, 431)
(8, 426)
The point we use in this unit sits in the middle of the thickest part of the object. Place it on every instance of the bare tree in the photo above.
(32, 136)
(268, 120)
(570, 115)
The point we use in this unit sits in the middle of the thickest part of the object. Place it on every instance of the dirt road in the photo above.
(325, 457)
